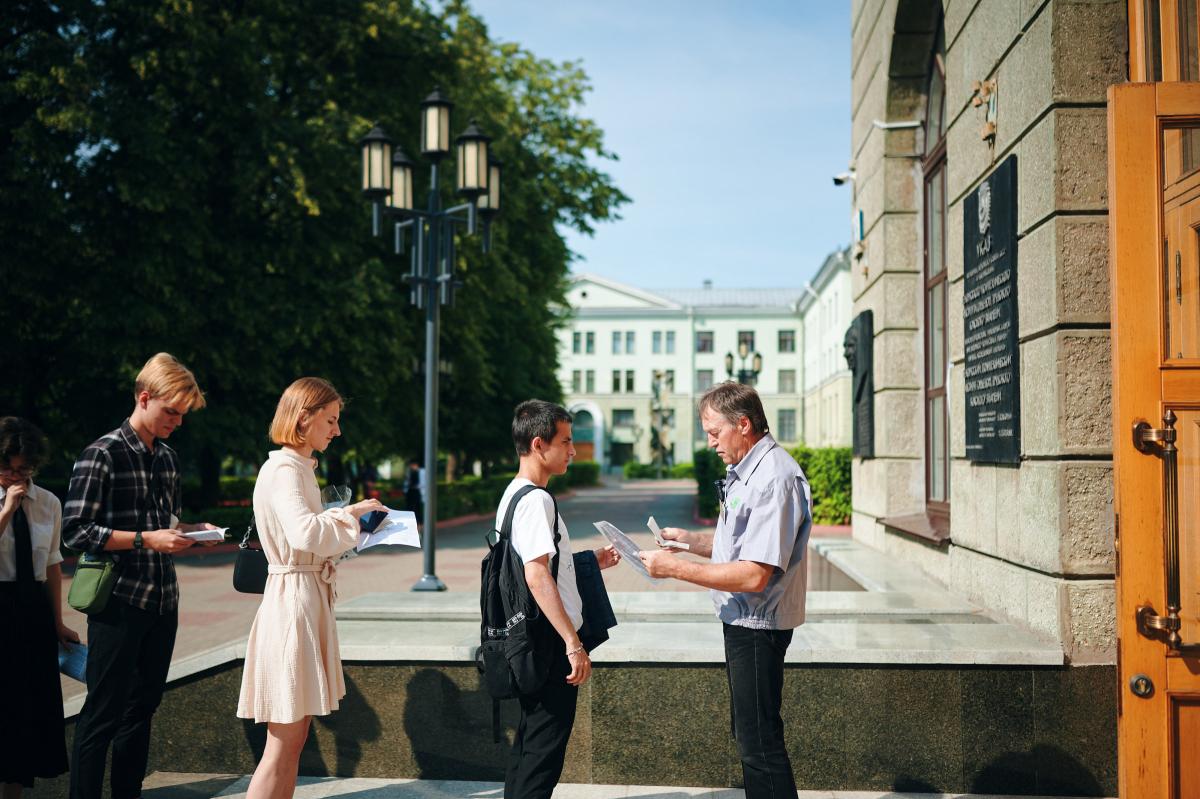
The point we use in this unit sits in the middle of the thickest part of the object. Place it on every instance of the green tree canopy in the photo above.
(183, 176)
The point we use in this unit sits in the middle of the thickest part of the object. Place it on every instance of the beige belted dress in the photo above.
(293, 665)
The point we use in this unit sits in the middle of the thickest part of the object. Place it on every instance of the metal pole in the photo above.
(429, 581)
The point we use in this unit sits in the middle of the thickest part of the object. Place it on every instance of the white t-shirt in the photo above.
(533, 536)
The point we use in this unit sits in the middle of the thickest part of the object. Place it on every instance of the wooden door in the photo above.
(1154, 227)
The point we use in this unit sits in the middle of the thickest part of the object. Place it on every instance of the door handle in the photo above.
(1161, 442)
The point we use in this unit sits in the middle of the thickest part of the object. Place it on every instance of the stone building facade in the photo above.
(943, 94)
(825, 313)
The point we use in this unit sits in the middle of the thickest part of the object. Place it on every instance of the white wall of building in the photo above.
(601, 308)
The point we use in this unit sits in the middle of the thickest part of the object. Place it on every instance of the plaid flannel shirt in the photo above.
(109, 487)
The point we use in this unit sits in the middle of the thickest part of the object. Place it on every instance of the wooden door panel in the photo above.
(1154, 223)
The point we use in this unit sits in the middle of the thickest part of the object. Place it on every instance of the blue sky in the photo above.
(729, 117)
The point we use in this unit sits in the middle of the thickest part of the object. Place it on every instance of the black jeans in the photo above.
(754, 663)
(540, 745)
(129, 652)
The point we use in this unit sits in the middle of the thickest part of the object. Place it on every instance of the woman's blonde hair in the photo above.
(303, 398)
(165, 378)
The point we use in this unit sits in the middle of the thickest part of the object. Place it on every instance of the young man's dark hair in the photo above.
(536, 419)
(733, 401)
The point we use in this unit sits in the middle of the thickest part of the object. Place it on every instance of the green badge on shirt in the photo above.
(733, 503)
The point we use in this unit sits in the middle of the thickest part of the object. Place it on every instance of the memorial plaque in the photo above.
(858, 347)
(992, 367)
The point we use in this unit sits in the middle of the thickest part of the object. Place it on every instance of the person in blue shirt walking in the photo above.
(756, 573)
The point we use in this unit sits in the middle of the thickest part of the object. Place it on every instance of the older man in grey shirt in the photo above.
(756, 573)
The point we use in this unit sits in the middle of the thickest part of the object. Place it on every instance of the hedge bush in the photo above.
(649, 471)
(583, 473)
(707, 467)
(683, 470)
(828, 472)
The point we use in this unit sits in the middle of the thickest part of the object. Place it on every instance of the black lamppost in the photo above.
(747, 376)
(388, 184)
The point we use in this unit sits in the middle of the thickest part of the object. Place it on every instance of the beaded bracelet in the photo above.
(575, 651)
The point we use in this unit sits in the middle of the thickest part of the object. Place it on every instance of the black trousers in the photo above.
(129, 652)
(540, 746)
(754, 663)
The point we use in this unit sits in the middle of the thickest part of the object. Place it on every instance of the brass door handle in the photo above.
(1161, 442)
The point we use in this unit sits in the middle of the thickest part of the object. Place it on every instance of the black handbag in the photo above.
(250, 568)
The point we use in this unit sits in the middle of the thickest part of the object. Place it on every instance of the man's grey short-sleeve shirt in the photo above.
(766, 517)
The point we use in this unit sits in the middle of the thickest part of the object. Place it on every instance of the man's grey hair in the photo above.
(733, 401)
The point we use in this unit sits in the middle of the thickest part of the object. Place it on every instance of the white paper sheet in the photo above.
(624, 545)
(208, 535)
(664, 542)
(398, 528)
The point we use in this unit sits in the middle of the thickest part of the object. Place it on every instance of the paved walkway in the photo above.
(162, 785)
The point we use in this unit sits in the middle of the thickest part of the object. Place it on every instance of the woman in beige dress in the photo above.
(293, 667)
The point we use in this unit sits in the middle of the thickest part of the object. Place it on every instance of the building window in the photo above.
(629, 348)
(787, 340)
(787, 425)
(669, 379)
(591, 381)
(591, 343)
(746, 337)
(576, 342)
(616, 381)
(576, 382)
(704, 341)
(937, 443)
(704, 380)
(616, 342)
(656, 342)
(629, 381)
(622, 417)
(787, 381)
(670, 342)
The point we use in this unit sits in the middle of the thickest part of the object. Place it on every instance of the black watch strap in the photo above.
(137, 540)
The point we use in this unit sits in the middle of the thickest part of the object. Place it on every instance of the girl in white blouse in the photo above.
(293, 667)
(32, 743)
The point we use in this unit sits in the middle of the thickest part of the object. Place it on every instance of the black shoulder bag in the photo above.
(250, 568)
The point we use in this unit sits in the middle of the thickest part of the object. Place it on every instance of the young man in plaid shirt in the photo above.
(125, 499)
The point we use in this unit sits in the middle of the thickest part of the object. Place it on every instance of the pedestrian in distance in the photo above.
(125, 499)
(293, 665)
(414, 489)
(32, 737)
(541, 432)
(757, 575)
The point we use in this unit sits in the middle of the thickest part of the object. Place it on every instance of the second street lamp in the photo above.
(746, 376)
(431, 276)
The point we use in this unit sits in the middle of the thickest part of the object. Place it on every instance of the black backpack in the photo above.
(516, 642)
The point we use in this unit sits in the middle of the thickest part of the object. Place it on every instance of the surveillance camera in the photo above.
(841, 178)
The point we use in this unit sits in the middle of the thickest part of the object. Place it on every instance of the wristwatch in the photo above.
(137, 540)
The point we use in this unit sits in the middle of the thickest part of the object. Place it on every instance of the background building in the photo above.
(825, 312)
(943, 97)
(617, 337)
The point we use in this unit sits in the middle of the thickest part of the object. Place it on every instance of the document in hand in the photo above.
(72, 661)
(624, 544)
(208, 535)
(664, 542)
(398, 528)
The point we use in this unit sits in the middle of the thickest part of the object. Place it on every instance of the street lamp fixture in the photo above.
(472, 146)
(376, 155)
(435, 126)
(401, 197)
(388, 183)
(746, 376)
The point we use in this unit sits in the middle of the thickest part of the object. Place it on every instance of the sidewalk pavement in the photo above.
(163, 785)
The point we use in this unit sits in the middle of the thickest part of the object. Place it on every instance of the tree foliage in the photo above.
(183, 176)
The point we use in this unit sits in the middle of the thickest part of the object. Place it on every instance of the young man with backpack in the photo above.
(542, 435)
